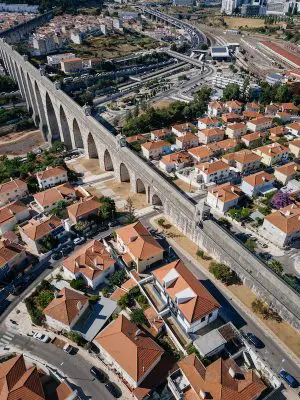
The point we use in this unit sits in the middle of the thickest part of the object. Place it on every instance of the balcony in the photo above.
(178, 383)
(178, 331)
(152, 293)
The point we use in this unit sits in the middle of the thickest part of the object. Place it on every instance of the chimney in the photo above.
(263, 178)
(202, 394)
(79, 305)
(232, 189)
(232, 372)
(77, 264)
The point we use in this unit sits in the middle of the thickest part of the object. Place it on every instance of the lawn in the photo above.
(236, 22)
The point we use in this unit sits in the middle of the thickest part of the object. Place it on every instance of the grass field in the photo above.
(236, 22)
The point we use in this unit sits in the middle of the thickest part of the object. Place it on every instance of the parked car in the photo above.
(79, 240)
(68, 348)
(99, 374)
(67, 249)
(255, 341)
(56, 256)
(289, 379)
(42, 337)
(113, 389)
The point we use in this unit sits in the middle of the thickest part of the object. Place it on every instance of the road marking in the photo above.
(9, 334)
(7, 337)
(4, 341)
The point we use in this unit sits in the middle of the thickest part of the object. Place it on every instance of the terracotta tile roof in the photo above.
(183, 127)
(140, 243)
(130, 347)
(179, 157)
(226, 144)
(55, 194)
(294, 125)
(259, 178)
(212, 167)
(18, 382)
(198, 305)
(217, 382)
(50, 172)
(210, 132)
(252, 137)
(233, 104)
(117, 294)
(237, 126)
(155, 145)
(253, 105)
(242, 156)
(272, 149)
(289, 106)
(90, 260)
(231, 117)
(188, 137)
(70, 60)
(286, 219)
(283, 114)
(37, 229)
(8, 251)
(129, 284)
(277, 130)
(63, 391)
(217, 105)
(200, 152)
(160, 132)
(84, 206)
(66, 307)
(135, 138)
(288, 169)
(11, 185)
(282, 52)
(252, 114)
(8, 211)
(226, 192)
(295, 143)
(260, 120)
(208, 120)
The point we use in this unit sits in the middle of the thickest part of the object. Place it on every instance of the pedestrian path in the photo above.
(6, 338)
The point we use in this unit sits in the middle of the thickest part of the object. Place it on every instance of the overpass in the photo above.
(59, 117)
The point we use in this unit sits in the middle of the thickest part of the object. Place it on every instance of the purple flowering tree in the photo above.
(280, 200)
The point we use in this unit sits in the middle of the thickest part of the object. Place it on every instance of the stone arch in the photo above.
(33, 101)
(20, 83)
(65, 130)
(91, 147)
(52, 120)
(124, 173)
(27, 96)
(140, 187)
(77, 134)
(40, 106)
(156, 201)
(108, 164)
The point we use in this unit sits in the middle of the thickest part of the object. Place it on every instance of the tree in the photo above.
(276, 266)
(107, 208)
(44, 298)
(60, 209)
(48, 243)
(118, 277)
(204, 46)
(129, 207)
(124, 301)
(250, 244)
(223, 273)
(134, 292)
(231, 92)
(78, 284)
(32, 184)
(138, 317)
(280, 200)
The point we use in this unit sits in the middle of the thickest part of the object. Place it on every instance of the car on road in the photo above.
(68, 348)
(67, 249)
(255, 341)
(56, 256)
(99, 374)
(113, 389)
(79, 240)
(42, 337)
(289, 379)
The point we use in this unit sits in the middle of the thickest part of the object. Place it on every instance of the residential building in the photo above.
(201, 154)
(208, 122)
(211, 135)
(76, 36)
(231, 117)
(215, 109)
(83, 209)
(252, 139)
(283, 116)
(273, 153)
(71, 65)
(282, 227)
(216, 171)
(224, 145)
(286, 172)
(182, 129)
(136, 139)
(258, 183)
(187, 299)
(55, 59)
(223, 197)
(132, 352)
(175, 161)
(12, 190)
(248, 115)
(294, 128)
(254, 107)
(290, 108)
(236, 130)
(51, 176)
(11, 214)
(138, 247)
(13, 257)
(234, 106)
(245, 161)
(65, 309)
(47, 199)
(272, 109)
(294, 148)
(277, 132)
(36, 230)
(160, 134)
(154, 150)
(221, 380)
(187, 141)
(259, 124)
(92, 262)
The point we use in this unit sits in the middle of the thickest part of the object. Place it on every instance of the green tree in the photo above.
(124, 301)
(138, 317)
(223, 273)
(44, 298)
(276, 266)
(60, 210)
(78, 284)
(118, 277)
(48, 243)
(251, 245)
(32, 184)
(107, 208)
(231, 92)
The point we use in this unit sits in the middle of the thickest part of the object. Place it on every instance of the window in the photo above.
(202, 319)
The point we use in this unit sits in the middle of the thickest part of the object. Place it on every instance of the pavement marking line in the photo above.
(4, 341)
(8, 337)
(9, 334)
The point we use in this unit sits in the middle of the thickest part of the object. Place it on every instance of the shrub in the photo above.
(138, 317)
(124, 301)
(224, 273)
(134, 292)
(250, 244)
(76, 338)
(142, 300)
(78, 284)
(200, 253)
(94, 298)
(276, 266)
(161, 222)
(118, 277)
(44, 298)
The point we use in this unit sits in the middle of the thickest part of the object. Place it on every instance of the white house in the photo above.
(294, 128)
(187, 299)
(175, 161)
(211, 135)
(236, 130)
(259, 124)
(12, 190)
(201, 154)
(187, 141)
(223, 197)
(11, 214)
(273, 153)
(182, 129)
(215, 109)
(286, 172)
(245, 161)
(155, 149)
(258, 183)
(51, 176)
(92, 262)
(216, 171)
(208, 122)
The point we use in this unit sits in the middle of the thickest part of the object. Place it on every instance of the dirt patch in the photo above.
(91, 165)
(184, 186)
(162, 103)
(236, 22)
(21, 143)
(288, 335)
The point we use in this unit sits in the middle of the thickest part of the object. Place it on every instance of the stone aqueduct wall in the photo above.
(58, 116)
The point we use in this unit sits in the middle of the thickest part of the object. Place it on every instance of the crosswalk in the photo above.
(6, 338)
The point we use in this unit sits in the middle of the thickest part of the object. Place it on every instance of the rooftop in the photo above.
(286, 219)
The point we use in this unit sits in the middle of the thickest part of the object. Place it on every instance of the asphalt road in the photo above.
(272, 352)
(74, 367)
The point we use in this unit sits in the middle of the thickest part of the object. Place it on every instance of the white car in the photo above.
(42, 337)
(79, 240)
